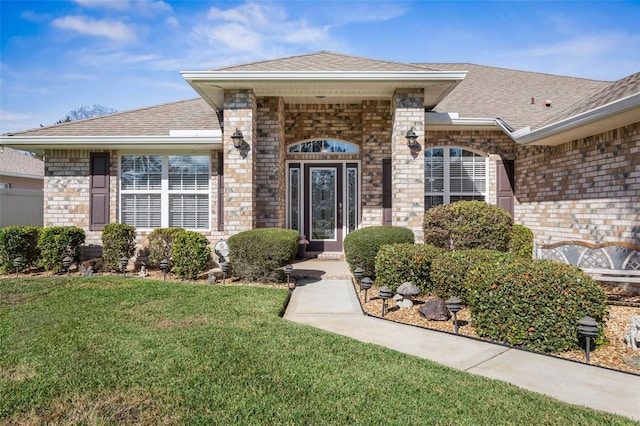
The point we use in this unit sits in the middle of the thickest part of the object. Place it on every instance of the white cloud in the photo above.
(172, 21)
(104, 4)
(114, 30)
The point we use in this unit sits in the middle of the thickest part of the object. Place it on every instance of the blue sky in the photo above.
(125, 54)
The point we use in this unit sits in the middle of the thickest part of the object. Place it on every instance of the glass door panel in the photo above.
(323, 203)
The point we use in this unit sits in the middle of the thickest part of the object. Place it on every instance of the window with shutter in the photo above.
(165, 191)
(453, 174)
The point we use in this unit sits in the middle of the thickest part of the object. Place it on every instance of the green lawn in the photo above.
(104, 350)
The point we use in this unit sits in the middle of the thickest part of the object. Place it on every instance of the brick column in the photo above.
(239, 164)
(408, 165)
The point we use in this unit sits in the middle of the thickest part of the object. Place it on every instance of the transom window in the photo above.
(324, 146)
(453, 174)
(160, 191)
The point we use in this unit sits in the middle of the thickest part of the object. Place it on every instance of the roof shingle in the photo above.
(19, 163)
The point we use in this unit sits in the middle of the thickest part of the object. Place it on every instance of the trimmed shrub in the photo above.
(450, 268)
(521, 242)
(57, 242)
(161, 244)
(467, 225)
(397, 263)
(118, 240)
(18, 241)
(534, 304)
(191, 253)
(361, 246)
(259, 254)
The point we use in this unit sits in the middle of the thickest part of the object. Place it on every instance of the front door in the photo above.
(323, 203)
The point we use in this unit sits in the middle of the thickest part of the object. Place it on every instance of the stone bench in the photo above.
(611, 262)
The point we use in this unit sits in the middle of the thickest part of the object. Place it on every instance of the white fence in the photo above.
(21, 207)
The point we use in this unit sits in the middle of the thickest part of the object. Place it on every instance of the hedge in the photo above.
(397, 263)
(259, 254)
(18, 241)
(57, 242)
(118, 240)
(361, 246)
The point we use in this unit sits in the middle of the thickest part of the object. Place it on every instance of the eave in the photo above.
(156, 143)
(322, 87)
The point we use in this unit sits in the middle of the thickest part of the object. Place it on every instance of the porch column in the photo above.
(239, 164)
(408, 164)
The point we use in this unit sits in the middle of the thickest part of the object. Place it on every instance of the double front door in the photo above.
(323, 202)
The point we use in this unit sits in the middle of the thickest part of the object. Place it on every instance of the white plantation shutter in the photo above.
(142, 210)
(453, 174)
(162, 191)
(189, 211)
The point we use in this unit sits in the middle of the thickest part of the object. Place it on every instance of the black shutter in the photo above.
(99, 190)
(220, 191)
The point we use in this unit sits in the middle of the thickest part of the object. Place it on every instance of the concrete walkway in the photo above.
(325, 298)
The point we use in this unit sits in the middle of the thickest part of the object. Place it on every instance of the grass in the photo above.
(104, 350)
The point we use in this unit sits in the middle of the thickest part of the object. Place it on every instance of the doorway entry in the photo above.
(323, 202)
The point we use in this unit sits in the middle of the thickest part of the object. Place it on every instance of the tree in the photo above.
(85, 112)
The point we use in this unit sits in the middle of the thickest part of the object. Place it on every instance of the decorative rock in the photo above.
(398, 297)
(435, 309)
(632, 338)
(632, 360)
(211, 277)
(405, 303)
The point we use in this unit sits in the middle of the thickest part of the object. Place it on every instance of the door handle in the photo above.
(340, 215)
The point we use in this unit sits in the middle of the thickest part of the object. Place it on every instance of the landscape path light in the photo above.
(17, 263)
(454, 305)
(587, 327)
(366, 284)
(164, 267)
(224, 267)
(384, 293)
(287, 272)
(124, 261)
(358, 273)
(66, 263)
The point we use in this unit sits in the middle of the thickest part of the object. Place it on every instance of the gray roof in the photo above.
(490, 92)
(16, 162)
(611, 92)
(193, 114)
(323, 61)
(486, 92)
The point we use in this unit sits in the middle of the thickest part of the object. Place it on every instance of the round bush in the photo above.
(534, 304)
(18, 241)
(361, 246)
(191, 254)
(521, 242)
(467, 225)
(260, 254)
(450, 268)
(397, 263)
(57, 242)
(161, 244)
(118, 240)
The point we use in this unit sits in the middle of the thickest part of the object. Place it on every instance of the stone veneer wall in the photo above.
(66, 193)
(240, 112)
(408, 164)
(376, 146)
(270, 163)
(587, 189)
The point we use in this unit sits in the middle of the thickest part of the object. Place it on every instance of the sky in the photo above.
(57, 56)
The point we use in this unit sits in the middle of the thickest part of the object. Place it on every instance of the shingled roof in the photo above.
(490, 92)
(18, 163)
(151, 121)
(609, 93)
(323, 61)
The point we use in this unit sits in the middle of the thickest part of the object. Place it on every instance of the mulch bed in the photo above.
(624, 304)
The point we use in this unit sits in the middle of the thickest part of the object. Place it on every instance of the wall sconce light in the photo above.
(238, 139)
(412, 138)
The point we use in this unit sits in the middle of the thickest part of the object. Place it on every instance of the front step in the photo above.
(325, 255)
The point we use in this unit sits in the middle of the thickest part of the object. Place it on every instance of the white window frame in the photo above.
(446, 164)
(164, 190)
